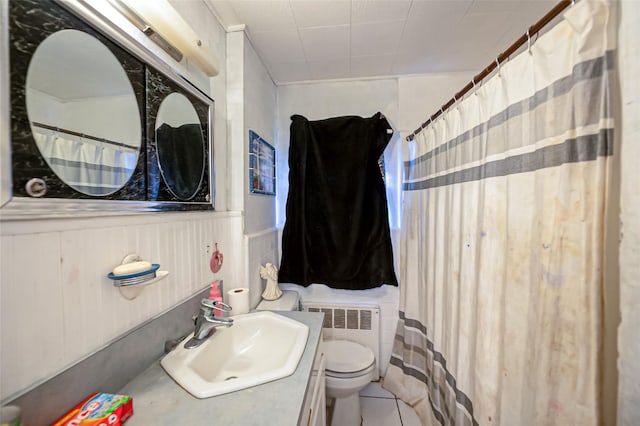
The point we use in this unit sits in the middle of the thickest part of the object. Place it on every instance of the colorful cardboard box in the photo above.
(99, 409)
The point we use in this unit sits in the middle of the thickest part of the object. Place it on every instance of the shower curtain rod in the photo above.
(526, 37)
(82, 135)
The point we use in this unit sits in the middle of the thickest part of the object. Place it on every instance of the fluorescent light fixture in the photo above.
(165, 27)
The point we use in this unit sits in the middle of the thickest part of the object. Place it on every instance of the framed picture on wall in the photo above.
(262, 166)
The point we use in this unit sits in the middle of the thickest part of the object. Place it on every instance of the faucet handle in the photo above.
(215, 304)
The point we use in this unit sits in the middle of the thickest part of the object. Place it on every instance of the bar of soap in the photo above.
(131, 268)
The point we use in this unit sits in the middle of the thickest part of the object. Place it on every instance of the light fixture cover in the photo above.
(167, 22)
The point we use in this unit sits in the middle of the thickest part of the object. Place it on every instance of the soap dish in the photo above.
(131, 285)
(130, 292)
(134, 279)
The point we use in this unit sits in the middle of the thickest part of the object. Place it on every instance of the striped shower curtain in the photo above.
(503, 240)
(90, 167)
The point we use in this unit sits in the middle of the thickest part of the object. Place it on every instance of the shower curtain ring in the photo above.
(498, 66)
(529, 42)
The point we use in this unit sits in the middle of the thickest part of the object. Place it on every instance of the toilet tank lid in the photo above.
(344, 356)
(287, 302)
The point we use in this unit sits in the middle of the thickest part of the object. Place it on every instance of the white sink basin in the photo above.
(258, 348)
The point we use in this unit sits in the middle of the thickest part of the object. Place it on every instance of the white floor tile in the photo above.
(408, 415)
(374, 389)
(379, 412)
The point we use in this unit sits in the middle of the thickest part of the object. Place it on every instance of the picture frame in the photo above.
(262, 166)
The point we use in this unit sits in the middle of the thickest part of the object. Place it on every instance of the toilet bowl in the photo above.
(349, 367)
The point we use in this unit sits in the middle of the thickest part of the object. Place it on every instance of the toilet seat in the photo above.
(345, 359)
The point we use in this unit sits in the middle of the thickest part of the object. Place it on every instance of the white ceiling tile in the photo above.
(284, 72)
(378, 10)
(491, 26)
(284, 45)
(410, 63)
(264, 15)
(437, 12)
(369, 66)
(493, 6)
(322, 39)
(314, 13)
(432, 22)
(440, 61)
(329, 69)
(325, 42)
(226, 13)
(376, 38)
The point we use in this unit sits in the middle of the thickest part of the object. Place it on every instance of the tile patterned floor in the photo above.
(381, 408)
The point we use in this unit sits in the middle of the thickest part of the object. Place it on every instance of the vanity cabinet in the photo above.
(314, 410)
(295, 400)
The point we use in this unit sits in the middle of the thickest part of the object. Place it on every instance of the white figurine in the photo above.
(270, 273)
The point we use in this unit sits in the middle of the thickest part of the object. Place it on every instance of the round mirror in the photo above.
(83, 112)
(180, 146)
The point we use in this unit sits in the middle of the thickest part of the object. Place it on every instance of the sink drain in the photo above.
(230, 377)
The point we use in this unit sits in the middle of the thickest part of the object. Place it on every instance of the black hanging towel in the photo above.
(337, 229)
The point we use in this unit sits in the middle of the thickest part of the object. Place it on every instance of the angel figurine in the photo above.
(270, 273)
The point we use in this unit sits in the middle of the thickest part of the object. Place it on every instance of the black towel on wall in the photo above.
(181, 155)
(337, 228)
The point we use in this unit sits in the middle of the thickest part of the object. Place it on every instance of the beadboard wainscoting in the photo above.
(57, 305)
(262, 248)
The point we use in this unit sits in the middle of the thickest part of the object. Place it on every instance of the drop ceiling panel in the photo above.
(313, 13)
(493, 6)
(412, 63)
(327, 39)
(489, 25)
(363, 11)
(281, 46)
(264, 15)
(325, 42)
(329, 68)
(283, 72)
(376, 38)
(431, 24)
(371, 66)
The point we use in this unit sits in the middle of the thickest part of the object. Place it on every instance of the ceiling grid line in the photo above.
(304, 40)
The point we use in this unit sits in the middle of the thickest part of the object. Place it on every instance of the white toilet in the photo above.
(349, 367)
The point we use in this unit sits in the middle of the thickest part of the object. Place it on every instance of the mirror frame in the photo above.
(109, 27)
(27, 160)
(5, 120)
(158, 88)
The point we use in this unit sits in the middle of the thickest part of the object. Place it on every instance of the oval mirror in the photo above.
(83, 112)
(180, 146)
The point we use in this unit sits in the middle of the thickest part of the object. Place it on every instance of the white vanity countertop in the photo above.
(158, 400)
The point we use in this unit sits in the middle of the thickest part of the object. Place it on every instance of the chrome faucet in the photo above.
(206, 322)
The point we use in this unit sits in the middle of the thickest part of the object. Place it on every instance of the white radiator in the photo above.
(357, 323)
